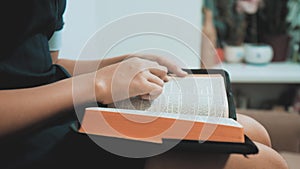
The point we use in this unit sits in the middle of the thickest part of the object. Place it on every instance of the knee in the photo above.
(254, 130)
(267, 158)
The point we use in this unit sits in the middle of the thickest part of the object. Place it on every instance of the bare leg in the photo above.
(254, 130)
(267, 158)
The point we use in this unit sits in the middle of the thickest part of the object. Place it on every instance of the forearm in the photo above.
(25, 107)
(87, 66)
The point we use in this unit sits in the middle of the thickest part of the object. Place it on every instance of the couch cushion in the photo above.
(283, 128)
(292, 159)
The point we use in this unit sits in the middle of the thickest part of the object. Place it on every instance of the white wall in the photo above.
(79, 25)
(84, 18)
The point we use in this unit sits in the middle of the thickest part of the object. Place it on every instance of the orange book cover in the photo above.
(147, 126)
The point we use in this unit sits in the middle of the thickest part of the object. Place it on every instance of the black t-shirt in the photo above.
(25, 61)
(25, 58)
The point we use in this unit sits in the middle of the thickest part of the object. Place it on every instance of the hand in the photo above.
(163, 61)
(130, 78)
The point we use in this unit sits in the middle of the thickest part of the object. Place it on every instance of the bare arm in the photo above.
(25, 107)
(94, 65)
(22, 108)
(89, 66)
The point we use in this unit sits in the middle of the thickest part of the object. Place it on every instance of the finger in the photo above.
(151, 89)
(146, 97)
(159, 71)
(172, 67)
(179, 72)
(166, 79)
(154, 79)
(154, 61)
(154, 68)
(149, 97)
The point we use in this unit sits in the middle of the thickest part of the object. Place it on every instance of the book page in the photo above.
(197, 118)
(203, 95)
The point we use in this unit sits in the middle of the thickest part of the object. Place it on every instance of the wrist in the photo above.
(101, 88)
(83, 88)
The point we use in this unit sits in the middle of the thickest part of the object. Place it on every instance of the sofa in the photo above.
(284, 130)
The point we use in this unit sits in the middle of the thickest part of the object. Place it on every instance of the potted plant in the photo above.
(231, 27)
(231, 21)
(272, 27)
(293, 20)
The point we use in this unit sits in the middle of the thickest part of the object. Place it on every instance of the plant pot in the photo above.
(256, 53)
(234, 54)
(280, 45)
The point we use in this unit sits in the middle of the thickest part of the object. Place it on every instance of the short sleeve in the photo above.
(55, 41)
(61, 6)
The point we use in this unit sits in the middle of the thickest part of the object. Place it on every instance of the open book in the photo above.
(191, 108)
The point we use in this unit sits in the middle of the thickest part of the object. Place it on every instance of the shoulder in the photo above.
(22, 20)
